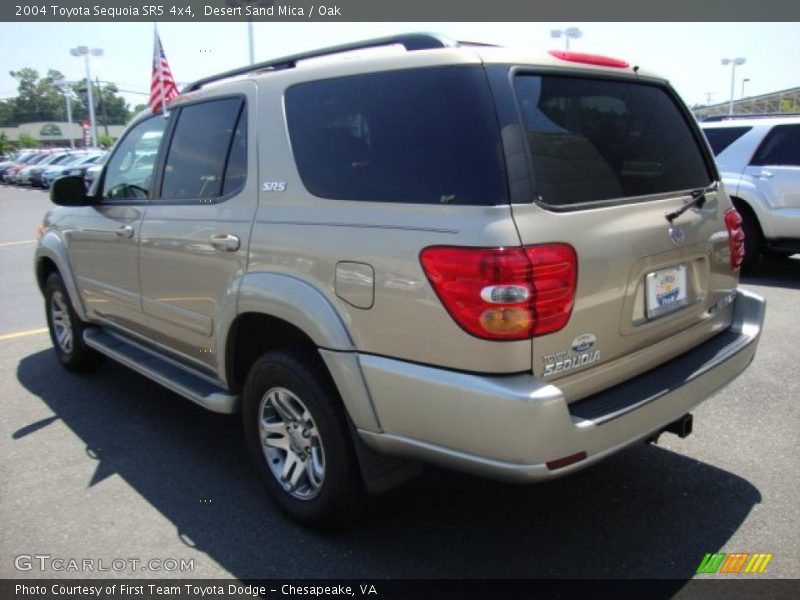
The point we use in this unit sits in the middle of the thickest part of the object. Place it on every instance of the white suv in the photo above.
(759, 160)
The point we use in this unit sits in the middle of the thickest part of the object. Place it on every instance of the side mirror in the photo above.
(69, 191)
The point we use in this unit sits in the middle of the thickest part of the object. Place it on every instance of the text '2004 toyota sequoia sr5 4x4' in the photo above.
(508, 264)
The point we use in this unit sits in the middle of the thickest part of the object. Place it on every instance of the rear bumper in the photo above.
(510, 427)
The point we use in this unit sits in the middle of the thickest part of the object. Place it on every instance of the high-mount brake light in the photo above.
(733, 222)
(504, 293)
(590, 59)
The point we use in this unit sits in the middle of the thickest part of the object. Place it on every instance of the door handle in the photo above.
(226, 242)
(765, 174)
(124, 231)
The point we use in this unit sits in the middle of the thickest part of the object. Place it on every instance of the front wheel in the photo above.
(297, 435)
(66, 328)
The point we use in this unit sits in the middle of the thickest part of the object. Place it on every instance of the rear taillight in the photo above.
(733, 221)
(504, 293)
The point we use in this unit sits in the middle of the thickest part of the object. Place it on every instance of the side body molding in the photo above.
(302, 305)
(52, 246)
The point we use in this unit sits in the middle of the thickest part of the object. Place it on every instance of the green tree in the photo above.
(7, 113)
(109, 108)
(5, 145)
(105, 140)
(38, 98)
(27, 141)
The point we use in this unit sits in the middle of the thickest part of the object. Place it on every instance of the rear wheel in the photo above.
(297, 435)
(66, 328)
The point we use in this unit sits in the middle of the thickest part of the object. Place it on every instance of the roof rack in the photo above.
(411, 42)
(772, 115)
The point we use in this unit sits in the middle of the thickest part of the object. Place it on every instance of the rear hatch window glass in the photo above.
(720, 138)
(593, 140)
(425, 136)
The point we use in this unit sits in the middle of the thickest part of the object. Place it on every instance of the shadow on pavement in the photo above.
(775, 272)
(646, 512)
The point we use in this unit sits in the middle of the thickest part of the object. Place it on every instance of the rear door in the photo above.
(775, 171)
(196, 232)
(608, 158)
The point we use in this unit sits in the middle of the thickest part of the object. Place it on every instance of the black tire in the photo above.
(341, 495)
(76, 355)
(753, 240)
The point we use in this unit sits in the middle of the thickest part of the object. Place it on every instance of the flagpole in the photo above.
(160, 72)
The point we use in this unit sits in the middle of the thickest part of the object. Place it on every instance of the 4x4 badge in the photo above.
(677, 235)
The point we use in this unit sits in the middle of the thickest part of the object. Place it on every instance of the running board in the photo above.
(160, 369)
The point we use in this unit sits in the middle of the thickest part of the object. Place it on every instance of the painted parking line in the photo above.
(17, 243)
(11, 336)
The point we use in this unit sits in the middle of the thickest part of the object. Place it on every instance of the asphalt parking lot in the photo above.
(110, 465)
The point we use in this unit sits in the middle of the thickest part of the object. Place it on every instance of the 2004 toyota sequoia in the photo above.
(508, 264)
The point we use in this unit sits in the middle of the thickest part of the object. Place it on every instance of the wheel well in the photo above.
(253, 334)
(44, 267)
(744, 209)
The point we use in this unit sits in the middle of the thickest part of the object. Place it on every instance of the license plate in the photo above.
(666, 291)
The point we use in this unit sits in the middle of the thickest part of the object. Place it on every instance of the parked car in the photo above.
(759, 158)
(23, 160)
(29, 175)
(497, 261)
(76, 167)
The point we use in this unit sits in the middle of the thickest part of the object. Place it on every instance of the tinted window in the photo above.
(199, 149)
(780, 147)
(595, 139)
(720, 138)
(422, 135)
(130, 169)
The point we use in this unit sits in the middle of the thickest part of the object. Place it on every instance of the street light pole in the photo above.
(569, 32)
(64, 87)
(745, 80)
(84, 51)
(733, 62)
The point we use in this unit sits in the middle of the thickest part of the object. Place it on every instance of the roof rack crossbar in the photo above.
(411, 41)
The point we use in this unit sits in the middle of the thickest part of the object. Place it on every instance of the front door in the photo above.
(103, 239)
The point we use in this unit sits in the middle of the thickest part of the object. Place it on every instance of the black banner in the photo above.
(407, 10)
(462, 589)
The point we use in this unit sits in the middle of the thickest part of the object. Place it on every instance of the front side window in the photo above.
(129, 172)
(425, 136)
(205, 136)
(780, 147)
(592, 140)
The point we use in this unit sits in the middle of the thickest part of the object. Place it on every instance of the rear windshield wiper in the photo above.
(698, 200)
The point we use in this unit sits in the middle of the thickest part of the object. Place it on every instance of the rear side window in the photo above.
(592, 140)
(199, 150)
(720, 138)
(780, 147)
(421, 135)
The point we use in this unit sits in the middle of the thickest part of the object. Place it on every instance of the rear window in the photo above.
(593, 140)
(720, 138)
(421, 135)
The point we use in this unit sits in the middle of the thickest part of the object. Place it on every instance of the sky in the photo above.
(688, 54)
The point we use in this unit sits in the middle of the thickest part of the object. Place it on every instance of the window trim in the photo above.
(763, 143)
(101, 180)
(683, 111)
(157, 198)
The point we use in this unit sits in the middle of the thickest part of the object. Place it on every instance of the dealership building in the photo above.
(58, 133)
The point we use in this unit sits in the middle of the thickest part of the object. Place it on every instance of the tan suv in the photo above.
(500, 262)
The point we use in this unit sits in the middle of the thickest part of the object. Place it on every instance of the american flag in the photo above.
(162, 85)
